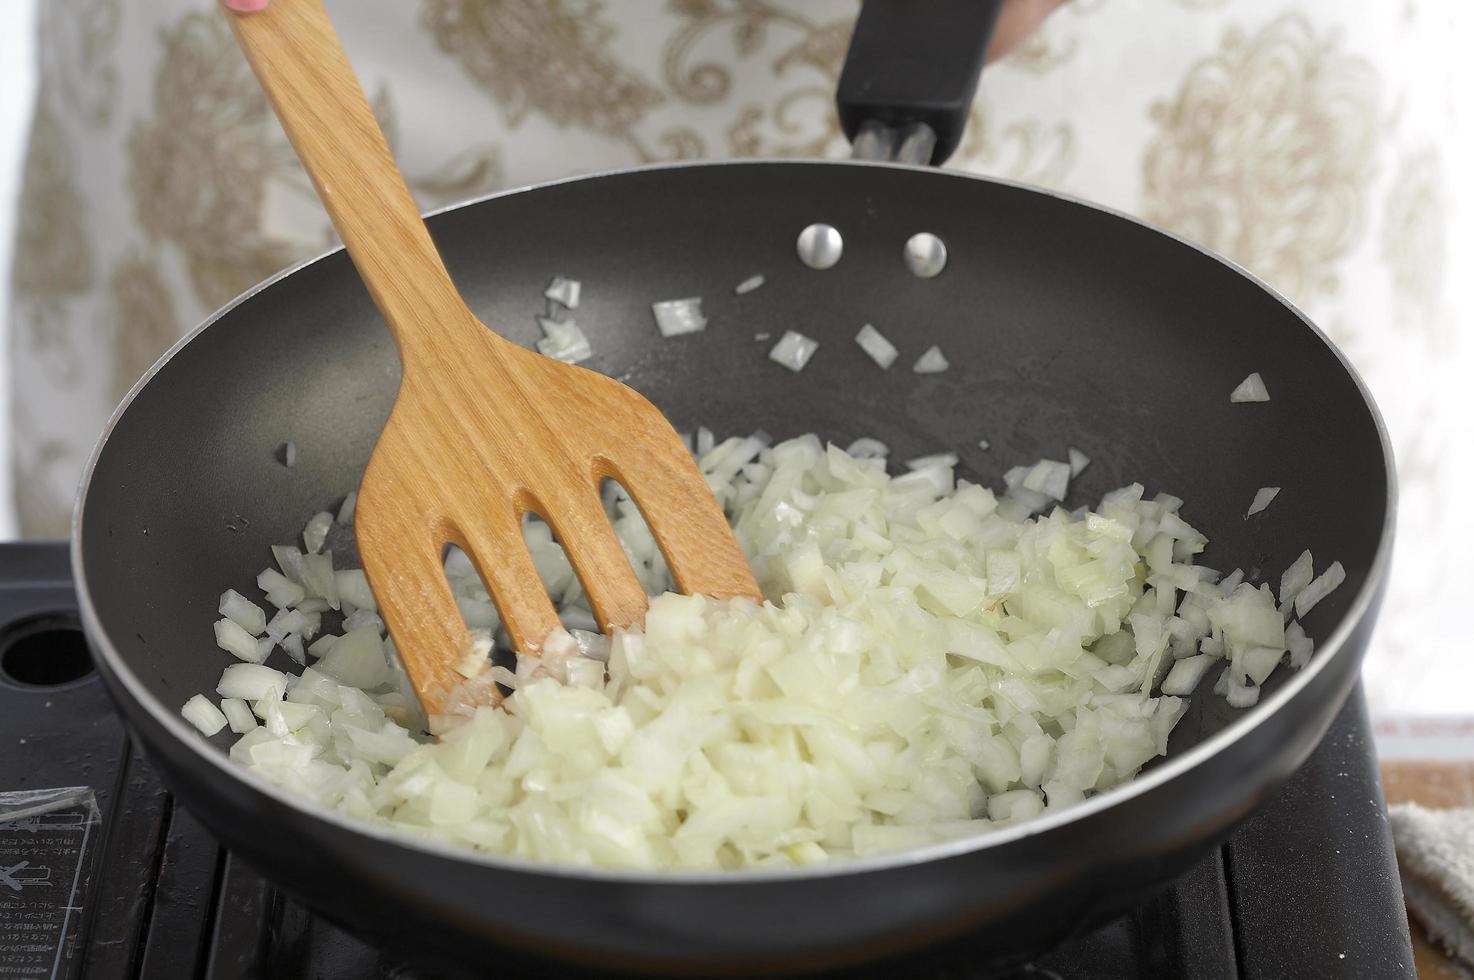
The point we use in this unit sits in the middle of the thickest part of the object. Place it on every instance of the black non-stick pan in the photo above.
(1065, 324)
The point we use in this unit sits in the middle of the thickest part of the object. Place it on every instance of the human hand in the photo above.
(245, 6)
(1016, 21)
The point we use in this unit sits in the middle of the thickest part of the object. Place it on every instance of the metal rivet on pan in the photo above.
(926, 254)
(820, 246)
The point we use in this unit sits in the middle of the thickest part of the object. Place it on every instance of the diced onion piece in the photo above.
(200, 712)
(793, 350)
(565, 291)
(318, 577)
(280, 590)
(353, 588)
(292, 645)
(357, 659)
(935, 459)
(362, 617)
(874, 343)
(984, 445)
(284, 622)
(243, 612)
(1185, 674)
(1259, 662)
(238, 714)
(1078, 461)
(933, 361)
(675, 317)
(867, 448)
(564, 341)
(748, 285)
(345, 510)
(235, 640)
(251, 682)
(1049, 477)
(1262, 499)
(1301, 646)
(1321, 587)
(316, 531)
(1240, 695)
(762, 337)
(1251, 389)
(1296, 578)
(287, 454)
(289, 560)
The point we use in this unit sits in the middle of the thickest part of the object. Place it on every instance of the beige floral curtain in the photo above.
(1306, 139)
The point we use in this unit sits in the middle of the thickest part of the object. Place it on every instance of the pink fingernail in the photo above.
(246, 6)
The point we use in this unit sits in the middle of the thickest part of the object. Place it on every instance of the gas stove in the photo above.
(102, 876)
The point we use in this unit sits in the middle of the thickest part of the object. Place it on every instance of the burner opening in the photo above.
(45, 651)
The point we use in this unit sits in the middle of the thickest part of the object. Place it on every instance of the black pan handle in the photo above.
(910, 75)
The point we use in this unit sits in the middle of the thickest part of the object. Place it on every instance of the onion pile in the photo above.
(933, 661)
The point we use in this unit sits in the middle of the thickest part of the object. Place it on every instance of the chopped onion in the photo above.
(292, 645)
(234, 639)
(866, 448)
(238, 714)
(762, 337)
(1295, 579)
(251, 682)
(1078, 461)
(793, 350)
(353, 588)
(564, 291)
(243, 612)
(874, 343)
(318, 578)
(316, 531)
(1186, 673)
(1317, 590)
(289, 560)
(674, 317)
(984, 445)
(1251, 389)
(748, 285)
(280, 590)
(1240, 695)
(947, 460)
(1262, 499)
(357, 659)
(362, 617)
(287, 454)
(1049, 477)
(200, 713)
(284, 622)
(934, 663)
(345, 510)
(563, 341)
(931, 362)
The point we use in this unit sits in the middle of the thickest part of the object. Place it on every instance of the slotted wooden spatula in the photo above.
(482, 430)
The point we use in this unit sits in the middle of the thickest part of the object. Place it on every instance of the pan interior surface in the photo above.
(1065, 326)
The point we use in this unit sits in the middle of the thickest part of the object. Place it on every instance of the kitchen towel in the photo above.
(1435, 851)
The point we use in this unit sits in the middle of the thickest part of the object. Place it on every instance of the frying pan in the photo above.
(1065, 324)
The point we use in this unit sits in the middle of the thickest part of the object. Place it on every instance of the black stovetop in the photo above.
(126, 884)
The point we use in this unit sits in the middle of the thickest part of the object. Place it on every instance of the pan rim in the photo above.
(1171, 767)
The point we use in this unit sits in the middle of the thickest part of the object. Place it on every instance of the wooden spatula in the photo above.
(482, 430)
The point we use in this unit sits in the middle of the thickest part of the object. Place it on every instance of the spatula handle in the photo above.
(300, 63)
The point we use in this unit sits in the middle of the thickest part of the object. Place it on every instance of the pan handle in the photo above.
(910, 75)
